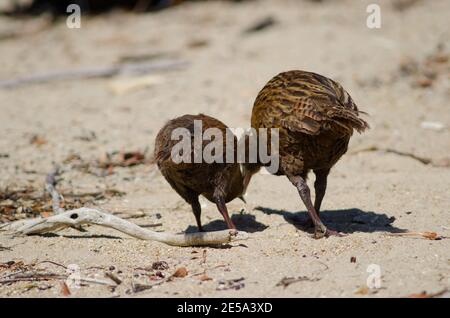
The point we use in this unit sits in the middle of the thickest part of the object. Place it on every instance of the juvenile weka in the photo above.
(316, 118)
(218, 182)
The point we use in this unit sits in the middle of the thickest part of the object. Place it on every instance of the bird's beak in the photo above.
(242, 197)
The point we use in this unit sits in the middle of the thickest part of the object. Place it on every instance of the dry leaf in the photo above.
(204, 277)
(38, 140)
(193, 44)
(180, 272)
(46, 214)
(424, 294)
(128, 159)
(423, 82)
(430, 235)
(362, 291)
(427, 235)
(65, 289)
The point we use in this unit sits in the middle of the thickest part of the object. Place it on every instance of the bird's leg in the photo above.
(305, 194)
(220, 202)
(320, 186)
(196, 208)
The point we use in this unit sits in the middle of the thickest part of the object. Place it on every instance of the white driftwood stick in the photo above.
(93, 216)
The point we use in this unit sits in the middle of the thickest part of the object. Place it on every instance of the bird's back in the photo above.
(314, 114)
(306, 102)
(189, 178)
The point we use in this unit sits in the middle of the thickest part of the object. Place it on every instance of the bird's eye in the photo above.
(74, 216)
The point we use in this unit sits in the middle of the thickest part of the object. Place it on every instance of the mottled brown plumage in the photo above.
(218, 182)
(316, 118)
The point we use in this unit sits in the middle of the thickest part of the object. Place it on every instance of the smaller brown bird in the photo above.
(219, 182)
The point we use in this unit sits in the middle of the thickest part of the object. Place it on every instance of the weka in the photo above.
(316, 118)
(218, 182)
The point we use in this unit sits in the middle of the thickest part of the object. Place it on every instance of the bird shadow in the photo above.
(344, 220)
(243, 222)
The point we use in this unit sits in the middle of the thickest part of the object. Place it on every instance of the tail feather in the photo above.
(349, 119)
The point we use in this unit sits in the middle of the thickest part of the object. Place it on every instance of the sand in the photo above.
(370, 194)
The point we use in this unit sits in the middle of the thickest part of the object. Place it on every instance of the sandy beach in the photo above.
(399, 74)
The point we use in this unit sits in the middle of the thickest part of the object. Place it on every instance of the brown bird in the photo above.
(316, 118)
(218, 182)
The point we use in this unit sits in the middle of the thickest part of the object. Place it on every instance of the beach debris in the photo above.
(95, 72)
(443, 162)
(160, 265)
(30, 276)
(180, 272)
(146, 56)
(286, 281)
(260, 25)
(65, 291)
(203, 257)
(157, 275)
(427, 235)
(432, 125)
(80, 216)
(137, 287)
(364, 290)
(425, 294)
(14, 266)
(197, 43)
(86, 215)
(86, 136)
(204, 278)
(402, 5)
(353, 259)
(234, 284)
(430, 69)
(76, 217)
(38, 140)
(106, 164)
(113, 277)
(26, 202)
(122, 86)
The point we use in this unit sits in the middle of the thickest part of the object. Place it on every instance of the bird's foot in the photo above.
(321, 231)
(333, 233)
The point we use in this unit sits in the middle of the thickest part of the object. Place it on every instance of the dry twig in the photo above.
(423, 160)
(427, 235)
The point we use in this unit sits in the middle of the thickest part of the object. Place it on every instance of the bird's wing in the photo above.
(306, 102)
(314, 113)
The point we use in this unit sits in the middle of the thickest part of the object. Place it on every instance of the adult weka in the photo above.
(316, 118)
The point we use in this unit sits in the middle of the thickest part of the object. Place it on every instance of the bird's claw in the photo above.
(322, 231)
(334, 233)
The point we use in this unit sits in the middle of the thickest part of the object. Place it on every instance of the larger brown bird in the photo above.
(218, 182)
(316, 118)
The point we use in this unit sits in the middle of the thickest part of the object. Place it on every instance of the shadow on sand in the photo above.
(344, 221)
(243, 222)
